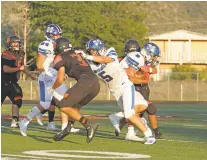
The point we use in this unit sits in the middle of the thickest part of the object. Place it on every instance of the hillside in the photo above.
(169, 16)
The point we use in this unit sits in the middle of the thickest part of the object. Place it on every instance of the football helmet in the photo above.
(13, 42)
(61, 45)
(151, 52)
(96, 44)
(52, 30)
(131, 46)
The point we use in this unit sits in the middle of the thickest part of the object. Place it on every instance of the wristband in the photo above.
(90, 57)
(150, 70)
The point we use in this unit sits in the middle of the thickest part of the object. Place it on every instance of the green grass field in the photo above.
(185, 139)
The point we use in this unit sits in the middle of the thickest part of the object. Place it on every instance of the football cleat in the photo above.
(115, 120)
(51, 126)
(74, 130)
(121, 125)
(23, 128)
(150, 140)
(14, 124)
(65, 132)
(39, 119)
(133, 137)
(158, 135)
(91, 131)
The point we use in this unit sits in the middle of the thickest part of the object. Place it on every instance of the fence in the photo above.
(170, 87)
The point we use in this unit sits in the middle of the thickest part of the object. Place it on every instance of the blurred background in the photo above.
(178, 28)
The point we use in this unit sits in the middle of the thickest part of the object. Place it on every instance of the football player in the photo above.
(148, 54)
(104, 63)
(46, 79)
(87, 87)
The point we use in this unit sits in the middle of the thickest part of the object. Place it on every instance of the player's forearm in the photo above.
(58, 82)
(100, 59)
(154, 70)
(135, 80)
(8, 69)
(40, 67)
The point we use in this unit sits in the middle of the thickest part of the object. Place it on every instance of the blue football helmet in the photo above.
(52, 30)
(95, 44)
(151, 52)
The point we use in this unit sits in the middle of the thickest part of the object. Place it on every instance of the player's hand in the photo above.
(83, 54)
(21, 68)
(145, 68)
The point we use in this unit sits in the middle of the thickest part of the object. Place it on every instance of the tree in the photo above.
(16, 20)
(113, 22)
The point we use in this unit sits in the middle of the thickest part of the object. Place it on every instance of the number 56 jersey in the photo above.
(112, 73)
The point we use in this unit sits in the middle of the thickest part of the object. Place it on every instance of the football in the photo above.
(140, 75)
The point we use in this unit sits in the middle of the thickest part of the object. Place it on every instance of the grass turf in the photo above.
(184, 139)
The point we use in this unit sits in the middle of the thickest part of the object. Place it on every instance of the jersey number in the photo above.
(80, 59)
(106, 78)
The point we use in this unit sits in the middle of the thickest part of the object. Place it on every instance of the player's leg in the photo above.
(16, 98)
(129, 112)
(65, 119)
(80, 94)
(45, 102)
(51, 114)
(151, 110)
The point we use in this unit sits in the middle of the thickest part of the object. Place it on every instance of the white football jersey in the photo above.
(46, 48)
(134, 60)
(112, 73)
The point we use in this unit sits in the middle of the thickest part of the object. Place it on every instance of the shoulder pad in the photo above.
(45, 48)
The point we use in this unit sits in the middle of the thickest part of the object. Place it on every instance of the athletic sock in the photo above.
(148, 133)
(156, 130)
(64, 125)
(131, 130)
(33, 112)
(51, 115)
(84, 121)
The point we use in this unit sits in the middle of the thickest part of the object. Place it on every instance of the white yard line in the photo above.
(194, 125)
(24, 156)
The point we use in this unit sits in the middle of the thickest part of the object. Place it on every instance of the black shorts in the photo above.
(12, 90)
(86, 88)
(143, 90)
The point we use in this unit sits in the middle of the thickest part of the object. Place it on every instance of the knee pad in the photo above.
(18, 103)
(152, 109)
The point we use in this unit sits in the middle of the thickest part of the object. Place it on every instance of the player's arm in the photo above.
(60, 78)
(39, 63)
(100, 59)
(6, 61)
(132, 75)
(8, 69)
(137, 80)
(58, 64)
(149, 69)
